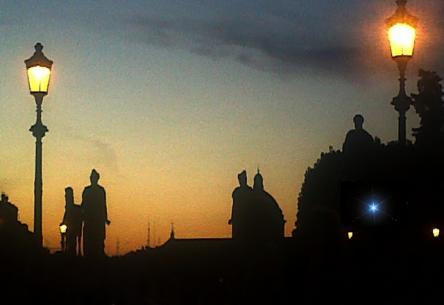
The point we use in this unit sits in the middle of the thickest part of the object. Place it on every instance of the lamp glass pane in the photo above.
(38, 78)
(402, 39)
(63, 229)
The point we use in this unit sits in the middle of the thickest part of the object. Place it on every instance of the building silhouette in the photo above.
(256, 216)
(15, 238)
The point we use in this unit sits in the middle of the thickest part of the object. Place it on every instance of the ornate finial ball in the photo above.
(38, 47)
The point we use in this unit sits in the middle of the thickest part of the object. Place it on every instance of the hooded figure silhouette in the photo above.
(95, 217)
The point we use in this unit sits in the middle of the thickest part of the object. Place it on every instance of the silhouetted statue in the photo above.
(429, 105)
(95, 217)
(256, 217)
(268, 215)
(242, 201)
(8, 211)
(357, 140)
(73, 220)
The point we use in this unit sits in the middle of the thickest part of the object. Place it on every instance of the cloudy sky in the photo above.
(170, 99)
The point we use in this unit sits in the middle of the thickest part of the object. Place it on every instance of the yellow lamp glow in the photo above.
(402, 39)
(435, 232)
(63, 228)
(402, 31)
(38, 67)
(38, 78)
(350, 235)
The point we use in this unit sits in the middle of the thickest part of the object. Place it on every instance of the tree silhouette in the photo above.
(429, 105)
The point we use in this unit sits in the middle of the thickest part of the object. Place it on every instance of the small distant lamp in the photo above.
(350, 235)
(63, 228)
(435, 232)
(402, 35)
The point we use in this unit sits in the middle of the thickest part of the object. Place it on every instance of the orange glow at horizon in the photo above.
(402, 39)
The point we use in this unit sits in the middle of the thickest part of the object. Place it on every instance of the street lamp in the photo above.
(402, 35)
(39, 72)
(435, 232)
(63, 228)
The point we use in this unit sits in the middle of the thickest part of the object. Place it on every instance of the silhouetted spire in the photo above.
(172, 234)
(148, 237)
(258, 181)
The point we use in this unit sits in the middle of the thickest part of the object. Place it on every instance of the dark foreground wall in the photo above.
(219, 272)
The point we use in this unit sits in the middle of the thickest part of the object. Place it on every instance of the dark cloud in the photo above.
(258, 45)
(340, 38)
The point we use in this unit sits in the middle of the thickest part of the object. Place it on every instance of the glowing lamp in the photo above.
(350, 235)
(435, 232)
(402, 40)
(402, 32)
(39, 71)
(63, 228)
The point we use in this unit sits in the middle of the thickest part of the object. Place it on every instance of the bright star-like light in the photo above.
(373, 207)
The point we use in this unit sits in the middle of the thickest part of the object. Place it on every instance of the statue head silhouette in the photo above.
(69, 196)
(359, 121)
(242, 177)
(4, 198)
(94, 178)
(258, 181)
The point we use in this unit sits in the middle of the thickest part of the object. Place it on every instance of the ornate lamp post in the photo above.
(402, 35)
(39, 72)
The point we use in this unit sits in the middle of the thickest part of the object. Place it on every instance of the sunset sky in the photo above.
(169, 100)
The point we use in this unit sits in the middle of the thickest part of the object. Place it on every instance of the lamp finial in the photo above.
(38, 47)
